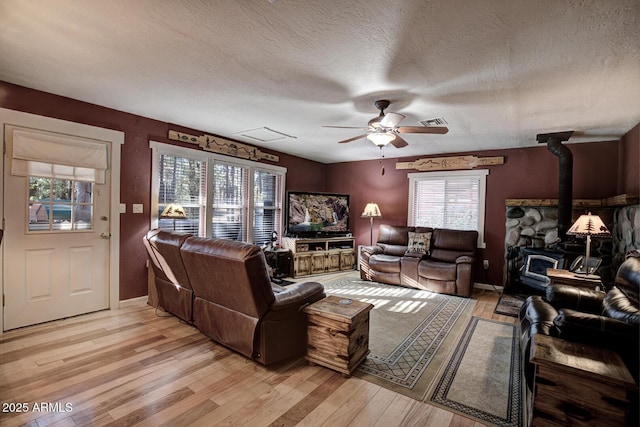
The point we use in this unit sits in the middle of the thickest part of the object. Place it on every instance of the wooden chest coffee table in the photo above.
(338, 333)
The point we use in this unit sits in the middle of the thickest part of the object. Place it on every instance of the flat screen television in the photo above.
(317, 214)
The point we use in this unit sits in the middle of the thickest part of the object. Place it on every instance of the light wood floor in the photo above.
(134, 366)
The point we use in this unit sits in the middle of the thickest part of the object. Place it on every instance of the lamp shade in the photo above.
(589, 225)
(381, 138)
(371, 211)
(174, 210)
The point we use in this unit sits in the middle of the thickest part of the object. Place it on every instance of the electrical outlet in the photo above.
(485, 264)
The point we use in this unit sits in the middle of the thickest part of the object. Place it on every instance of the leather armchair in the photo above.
(236, 305)
(449, 268)
(610, 320)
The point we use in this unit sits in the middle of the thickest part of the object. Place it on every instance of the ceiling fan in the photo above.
(384, 128)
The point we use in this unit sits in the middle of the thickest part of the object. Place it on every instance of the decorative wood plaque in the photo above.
(450, 163)
(223, 146)
(615, 201)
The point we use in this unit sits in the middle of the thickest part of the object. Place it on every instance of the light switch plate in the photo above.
(137, 208)
(123, 208)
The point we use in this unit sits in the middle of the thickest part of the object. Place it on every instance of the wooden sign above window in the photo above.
(223, 146)
(450, 163)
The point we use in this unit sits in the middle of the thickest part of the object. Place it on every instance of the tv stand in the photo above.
(319, 255)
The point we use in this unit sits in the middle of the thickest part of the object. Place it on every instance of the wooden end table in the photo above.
(338, 333)
(281, 260)
(566, 277)
(578, 384)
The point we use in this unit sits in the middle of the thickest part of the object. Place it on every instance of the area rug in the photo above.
(411, 332)
(509, 304)
(482, 380)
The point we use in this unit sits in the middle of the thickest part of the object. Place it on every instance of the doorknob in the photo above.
(106, 236)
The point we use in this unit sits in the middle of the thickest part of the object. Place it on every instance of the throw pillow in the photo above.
(419, 242)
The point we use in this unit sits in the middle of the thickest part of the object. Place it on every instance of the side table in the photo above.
(338, 333)
(566, 277)
(577, 384)
(280, 260)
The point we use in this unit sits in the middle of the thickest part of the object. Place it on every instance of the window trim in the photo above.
(480, 174)
(159, 148)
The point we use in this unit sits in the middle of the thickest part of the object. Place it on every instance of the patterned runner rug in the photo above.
(482, 380)
(411, 332)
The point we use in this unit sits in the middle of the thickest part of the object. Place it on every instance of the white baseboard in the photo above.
(488, 287)
(133, 302)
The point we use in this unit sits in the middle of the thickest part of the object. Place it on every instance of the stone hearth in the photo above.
(531, 226)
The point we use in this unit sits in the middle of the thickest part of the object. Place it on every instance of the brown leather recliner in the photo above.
(382, 262)
(175, 293)
(610, 320)
(235, 303)
(447, 268)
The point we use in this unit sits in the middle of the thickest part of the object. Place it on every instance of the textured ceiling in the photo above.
(498, 72)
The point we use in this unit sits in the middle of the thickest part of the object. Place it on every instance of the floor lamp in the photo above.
(371, 211)
(174, 211)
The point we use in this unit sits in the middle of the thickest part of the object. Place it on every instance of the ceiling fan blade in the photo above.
(391, 120)
(399, 142)
(352, 139)
(421, 129)
(346, 127)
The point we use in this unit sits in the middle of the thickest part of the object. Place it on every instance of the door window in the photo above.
(59, 205)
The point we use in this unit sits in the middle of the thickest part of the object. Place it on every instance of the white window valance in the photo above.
(60, 156)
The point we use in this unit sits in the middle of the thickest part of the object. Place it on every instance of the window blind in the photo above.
(182, 181)
(229, 197)
(59, 156)
(267, 205)
(453, 200)
(447, 203)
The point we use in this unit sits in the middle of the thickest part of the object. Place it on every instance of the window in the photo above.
(267, 212)
(61, 171)
(229, 196)
(59, 204)
(223, 197)
(182, 180)
(454, 200)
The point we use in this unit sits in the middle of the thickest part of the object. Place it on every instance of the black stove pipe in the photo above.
(565, 186)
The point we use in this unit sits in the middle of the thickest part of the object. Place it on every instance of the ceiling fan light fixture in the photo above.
(381, 139)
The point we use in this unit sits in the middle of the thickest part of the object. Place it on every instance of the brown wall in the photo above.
(629, 173)
(600, 170)
(135, 178)
(530, 172)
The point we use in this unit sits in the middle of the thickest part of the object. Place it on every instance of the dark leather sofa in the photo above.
(446, 267)
(223, 287)
(610, 320)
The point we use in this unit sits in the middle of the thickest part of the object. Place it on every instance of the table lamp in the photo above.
(174, 211)
(588, 225)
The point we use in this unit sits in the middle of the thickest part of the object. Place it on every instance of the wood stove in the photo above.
(534, 268)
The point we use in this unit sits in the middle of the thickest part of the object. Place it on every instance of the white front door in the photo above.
(56, 247)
